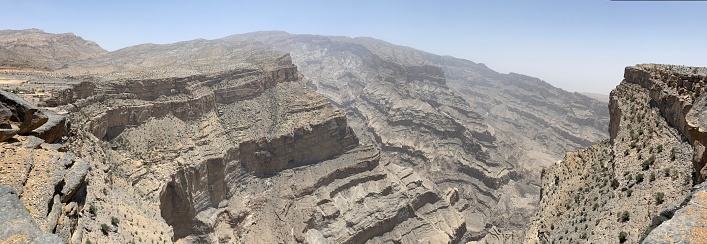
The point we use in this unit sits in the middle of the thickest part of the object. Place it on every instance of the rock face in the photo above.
(455, 122)
(26, 114)
(19, 227)
(638, 179)
(51, 186)
(229, 140)
(688, 224)
(241, 150)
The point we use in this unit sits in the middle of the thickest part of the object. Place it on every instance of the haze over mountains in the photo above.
(269, 136)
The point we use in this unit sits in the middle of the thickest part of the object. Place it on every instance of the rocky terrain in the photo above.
(509, 125)
(624, 189)
(271, 137)
(34, 49)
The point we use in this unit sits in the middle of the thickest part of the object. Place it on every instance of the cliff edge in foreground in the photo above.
(624, 189)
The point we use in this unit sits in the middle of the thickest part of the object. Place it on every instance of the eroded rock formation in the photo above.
(620, 190)
(226, 141)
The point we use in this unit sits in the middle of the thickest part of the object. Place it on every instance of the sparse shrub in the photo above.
(639, 178)
(633, 144)
(92, 209)
(672, 154)
(88, 242)
(630, 177)
(659, 197)
(623, 236)
(628, 193)
(647, 164)
(624, 216)
(652, 177)
(105, 229)
(666, 172)
(626, 152)
(114, 221)
(552, 226)
(660, 148)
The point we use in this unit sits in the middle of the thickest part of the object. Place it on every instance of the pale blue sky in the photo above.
(576, 45)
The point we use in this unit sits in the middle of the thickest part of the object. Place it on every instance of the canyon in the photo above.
(273, 137)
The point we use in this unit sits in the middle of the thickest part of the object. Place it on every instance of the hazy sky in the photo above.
(580, 45)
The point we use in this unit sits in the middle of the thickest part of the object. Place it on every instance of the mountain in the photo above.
(35, 49)
(273, 137)
(637, 186)
(597, 96)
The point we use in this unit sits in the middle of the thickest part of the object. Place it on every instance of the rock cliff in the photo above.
(456, 122)
(341, 140)
(621, 189)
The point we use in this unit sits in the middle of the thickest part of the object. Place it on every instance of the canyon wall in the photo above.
(623, 189)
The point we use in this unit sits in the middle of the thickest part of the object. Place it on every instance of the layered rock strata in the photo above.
(454, 121)
(640, 178)
(249, 155)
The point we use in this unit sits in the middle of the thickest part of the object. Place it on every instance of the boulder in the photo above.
(688, 224)
(28, 115)
(18, 225)
(54, 129)
(74, 178)
(7, 131)
(5, 113)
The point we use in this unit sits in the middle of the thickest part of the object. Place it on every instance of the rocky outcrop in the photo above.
(51, 185)
(28, 115)
(688, 224)
(633, 183)
(678, 92)
(19, 227)
(56, 127)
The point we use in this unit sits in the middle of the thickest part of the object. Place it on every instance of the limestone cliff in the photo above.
(457, 123)
(229, 140)
(620, 190)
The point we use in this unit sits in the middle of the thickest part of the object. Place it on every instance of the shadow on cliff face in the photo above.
(191, 191)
